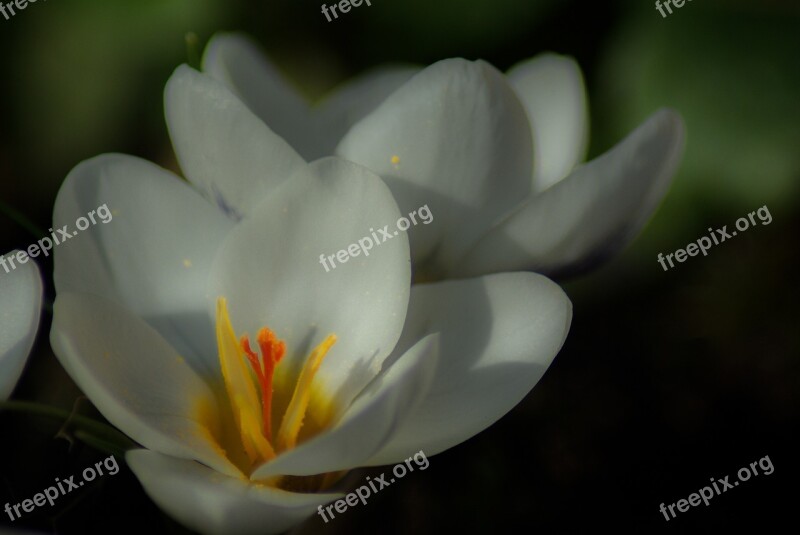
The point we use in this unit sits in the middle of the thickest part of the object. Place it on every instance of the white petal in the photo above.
(552, 90)
(235, 60)
(369, 422)
(269, 270)
(239, 63)
(591, 214)
(354, 100)
(152, 251)
(223, 148)
(456, 138)
(134, 378)
(20, 308)
(211, 503)
(499, 334)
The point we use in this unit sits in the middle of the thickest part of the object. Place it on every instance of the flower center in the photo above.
(254, 394)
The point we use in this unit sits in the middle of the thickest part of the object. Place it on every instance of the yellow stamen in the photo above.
(296, 411)
(241, 391)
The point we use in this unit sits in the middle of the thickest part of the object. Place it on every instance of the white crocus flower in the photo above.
(20, 308)
(350, 368)
(496, 159)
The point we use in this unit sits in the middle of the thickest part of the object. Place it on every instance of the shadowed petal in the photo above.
(135, 379)
(591, 214)
(551, 88)
(455, 137)
(499, 334)
(223, 148)
(20, 308)
(212, 503)
(152, 252)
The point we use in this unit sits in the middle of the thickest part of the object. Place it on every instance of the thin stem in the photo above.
(102, 432)
(19, 218)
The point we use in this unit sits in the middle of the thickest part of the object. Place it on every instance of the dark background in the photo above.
(667, 378)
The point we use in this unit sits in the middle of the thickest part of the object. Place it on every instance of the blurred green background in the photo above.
(666, 380)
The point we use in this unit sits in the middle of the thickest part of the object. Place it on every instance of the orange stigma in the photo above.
(272, 351)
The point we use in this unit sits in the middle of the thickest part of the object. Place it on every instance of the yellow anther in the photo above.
(245, 404)
(296, 411)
